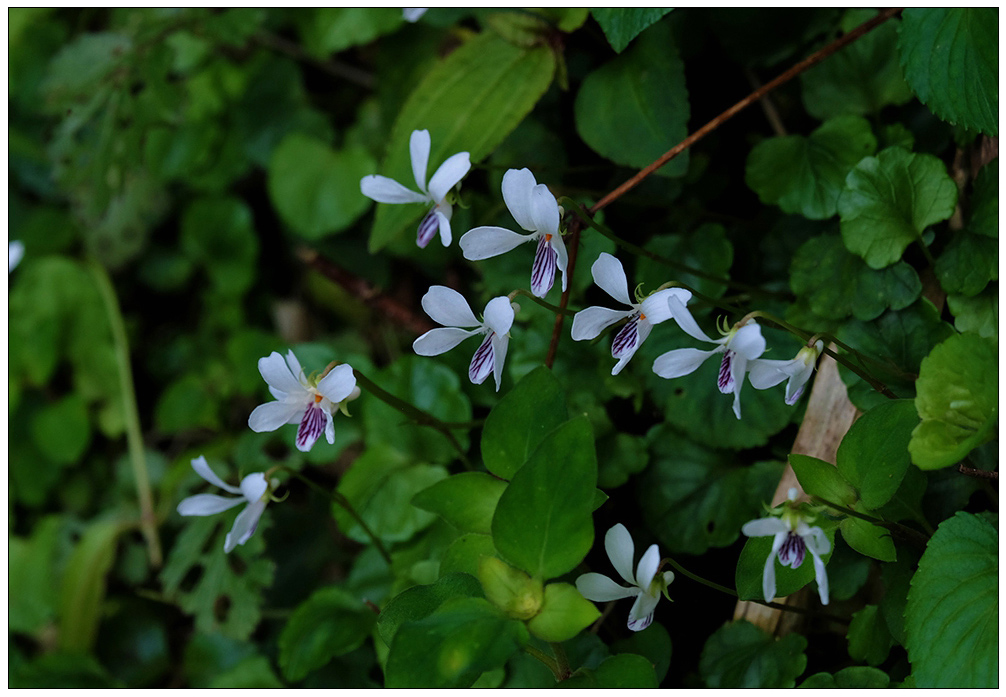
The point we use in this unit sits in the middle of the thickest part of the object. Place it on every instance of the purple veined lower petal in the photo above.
(797, 383)
(338, 384)
(275, 370)
(488, 241)
(448, 175)
(207, 504)
(543, 268)
(642, 329)
(202, 468)
(517, 187)
(627, 338)
(386, 190)
(793, 396)
(684, 318)
(821, 576)
(601, 589)
(561, 258)
(544, 210)
(609, 276)
(312, 425)
(500, 343)
(725, 377)
(482, 362)
(680, 362)
(441, 340)
(590, 322)
(641, 614)
(244, 525)
(427, 229)
(792, 551)
(419, 152)
(620, 548)
(448, 307)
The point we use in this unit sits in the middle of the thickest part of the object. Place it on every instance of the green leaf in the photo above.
(329, 623)
(470, 101)
(952, 616)
(836, 283)
(968, 263)
(219, 234)
(62, 671)
(62, 430)
(509, 589)
(984, 218)
(957, 401)
(543, 520)
(619, 456)
(563, 614)
(889, 200)
(467, 500)
(873, 455)
(978, 314)
(739, 654)
(868, 637)
(82, 591)
(316, 190)
(34, 590)
(653, 643)
(951, 60)
(822, 479)
(853, 677)
(186, 404)
(621, 672)
(464, 553)
(623, 24)
(520, 421)
(695, 498)
(254, 672)
(453, 646)
(807, 175)
(634, 108)
(751, 567)
(418, 602)
(80, 66)
(328, 30)
(867, 538)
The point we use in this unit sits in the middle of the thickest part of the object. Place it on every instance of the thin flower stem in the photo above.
(573, 246)
(800, 67)
(342, 501)
(134, 436)
(913, 537)
(561, 660)
(548, 306)
(549, 662)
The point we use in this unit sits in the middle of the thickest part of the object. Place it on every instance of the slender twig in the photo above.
(549, 662)
(800, 67)
(903, 532)
(561, 660)
(980, 474)
(573, 245)
(134, 436)
(334, 68)
(767, 106)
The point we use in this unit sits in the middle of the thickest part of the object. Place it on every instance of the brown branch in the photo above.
(367, 294)
(800, 67)
(980, 474)
(573, 246)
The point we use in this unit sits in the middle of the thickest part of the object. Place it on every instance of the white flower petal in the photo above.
(294, 365)
(276, 372)
(443, 215)
(543, 268)
(517, 187)
(254, 486)
(794, 388)
(738, 367)
(207, 504)
(338, 384)
(642, 330)
(641, 614)
(500, 344)
(448, 307)
(765, 373)
(244, 525)
(15, 252)
(202, 468)
(440, 340)
(815, 539)
(272, 415)
(544, 210)
(448, 175)
(601, 589)
(589, 323)
(620, 548)
(412, 14)
(419, 151)
(312, 425)
(768, 575)
(329, 428)
(647, 568)
(821, 575)
(489, 241)
(655, 306)
(764, 527)
(748, 341)
(561, 258)
(679, 362)
(685, 320)
(385, 190)
(483, 361)
(499, 315)
(610, 277)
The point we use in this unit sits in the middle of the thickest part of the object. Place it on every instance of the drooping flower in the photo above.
(535, 209)
(386, 190)
(301, 400)
(647, 584)
(589, 323)
(739, 345)
(766, 373)
(412, 14)
(254, 491)
(793, 537)
(449, 308)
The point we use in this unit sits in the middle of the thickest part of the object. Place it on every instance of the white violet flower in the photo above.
(449, 308)
(254, 491)
(765, 373)
(793, 537)
(15, 252)
(301, 400)
(739, 345)
(610, 277)
(647, 584)
(412, 14)
(387, 190)
(535, 209)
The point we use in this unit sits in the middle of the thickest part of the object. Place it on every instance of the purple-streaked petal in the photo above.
(338, 384)
(499, 315)
(254, 486)
(725, 378)
(620, 548)
(626, 341)
(641, 614)
(763, 527)
(768, 575)
(244, 525)
(610, 277)
(312, 425)
(821, 575)
(448, 307)
(419, 152)
(482, 362)
(792, 551)
(543, 268)
(589, 323)
(601, 589)
(202, 468)
(276, 373)
(441, 340)
(517, 187)
(640, 331)
(272, 415)
(385, 190)
(489, 241)
(448, 175)
(647, 568)
(443, 213)
(207, 504)
(794, 388)
(748, 341)
(655, 307)
(679, 362)
(544, 210)
(427, 229)
(684, 318)
(500, 344)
